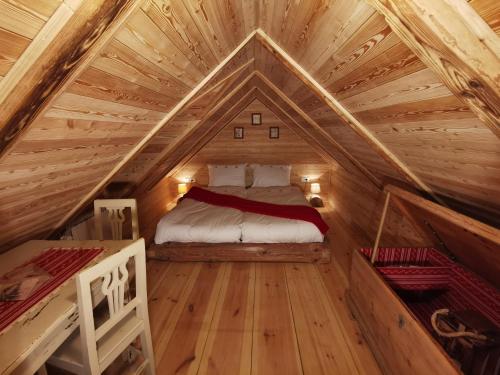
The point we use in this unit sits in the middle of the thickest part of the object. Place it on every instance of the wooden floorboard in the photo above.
(274, 349)
(229, 344)
(253, 319)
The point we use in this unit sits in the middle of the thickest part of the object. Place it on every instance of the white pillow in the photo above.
(226, 175)
(271, 175)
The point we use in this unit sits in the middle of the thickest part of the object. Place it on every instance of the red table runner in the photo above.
(61, 264)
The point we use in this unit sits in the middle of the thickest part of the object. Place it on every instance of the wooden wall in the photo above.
(352, 52)
(153, 205)
(20, 23)
(164, 49)
(359, 204)
(256, 147)
(148, 65)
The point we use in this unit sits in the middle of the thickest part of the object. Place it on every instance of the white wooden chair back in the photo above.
(116, 217)
(114, 276)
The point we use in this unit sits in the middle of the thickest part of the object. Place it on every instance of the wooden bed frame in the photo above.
(318, 252)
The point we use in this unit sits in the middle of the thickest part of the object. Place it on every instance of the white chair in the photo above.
(95, 348)
(116, 217)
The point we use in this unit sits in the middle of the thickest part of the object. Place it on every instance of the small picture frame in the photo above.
(239, 132)
(274, 132)
(256, 119)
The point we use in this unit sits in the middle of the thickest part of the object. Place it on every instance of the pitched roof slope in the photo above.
(162, 75)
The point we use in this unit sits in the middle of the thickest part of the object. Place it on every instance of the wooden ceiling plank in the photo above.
(154, 130)
(340, 110)
(213, 131)
(462, 221)
(292, 125)
(418, 223)
(320, 130)
(457, 44)
(161, 168)
(198, 102)
(75, 45)
(35, 49)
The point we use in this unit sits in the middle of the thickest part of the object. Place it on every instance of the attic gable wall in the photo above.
(257, 147)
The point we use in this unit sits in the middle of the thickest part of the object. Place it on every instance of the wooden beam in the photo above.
(457, 44)
(76, 43)
(420, 225)
(225, 79)
(30, 57)
(242, 252)
(218, 122)
(380, 228)
(140, 145)
(215, 129)
(320, 130)
(340, 110)
(295, 127)
(464, 222)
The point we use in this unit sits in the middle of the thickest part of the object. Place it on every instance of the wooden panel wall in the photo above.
(156, 58)
(153, 205)
(359, 204)
(256, 147)
(20, 23)
(351, 51)
(166, 47)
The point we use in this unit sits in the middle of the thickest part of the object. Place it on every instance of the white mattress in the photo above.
(268, 229)
(193, 221)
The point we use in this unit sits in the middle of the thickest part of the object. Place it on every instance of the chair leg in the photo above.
(147, 349)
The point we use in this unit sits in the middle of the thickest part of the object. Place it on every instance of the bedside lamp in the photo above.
(315, 200)
(182, 189)
(315, 188)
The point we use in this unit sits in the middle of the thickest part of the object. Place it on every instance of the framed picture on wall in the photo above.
(239, 133)
(274, 132)
(256, 118)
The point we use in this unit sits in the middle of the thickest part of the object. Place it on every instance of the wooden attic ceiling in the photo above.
(157, 69)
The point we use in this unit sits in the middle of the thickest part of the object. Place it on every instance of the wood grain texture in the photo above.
(242, 252)
(454, 41)
(56, 64)
(248, 318)
(343, 113)
(388, 324)
(138, 73)
(256, 147)
(475, 244)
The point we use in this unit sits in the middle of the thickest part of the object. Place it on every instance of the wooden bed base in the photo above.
(242, 252)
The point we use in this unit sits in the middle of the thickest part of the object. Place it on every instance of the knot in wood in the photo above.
(475, 84)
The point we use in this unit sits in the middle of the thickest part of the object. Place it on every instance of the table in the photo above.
(35, 335)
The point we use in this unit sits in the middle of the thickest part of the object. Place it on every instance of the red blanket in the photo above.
(296, 212)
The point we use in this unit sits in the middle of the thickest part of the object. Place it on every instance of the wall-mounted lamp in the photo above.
(315, 200)
(182, 189)
(315, 188)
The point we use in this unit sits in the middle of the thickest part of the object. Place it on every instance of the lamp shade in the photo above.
(315, 188)
(182, 188)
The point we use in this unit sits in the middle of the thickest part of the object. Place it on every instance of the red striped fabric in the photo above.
(412, 268)
(61, 264)
(465, 290)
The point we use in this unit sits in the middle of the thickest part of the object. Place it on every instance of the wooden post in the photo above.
(380, 227)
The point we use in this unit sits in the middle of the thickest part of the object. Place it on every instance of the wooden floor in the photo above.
(253, 318)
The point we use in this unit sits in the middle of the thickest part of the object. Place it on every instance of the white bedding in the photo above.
(268, 229)
(193, 221)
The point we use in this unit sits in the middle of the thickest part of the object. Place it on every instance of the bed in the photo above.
(197, 231)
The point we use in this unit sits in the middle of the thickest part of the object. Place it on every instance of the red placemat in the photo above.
(61, 264)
